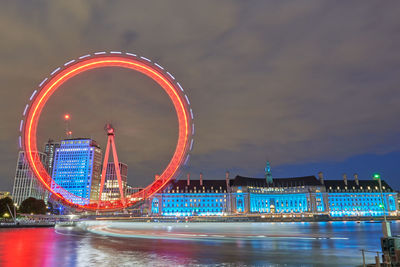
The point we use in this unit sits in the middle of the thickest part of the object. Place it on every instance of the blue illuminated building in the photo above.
(77, 170)
(276, 195)
(359, 198)
(192, 197)
(296, 197)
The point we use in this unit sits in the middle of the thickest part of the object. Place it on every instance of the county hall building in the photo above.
(298, 196)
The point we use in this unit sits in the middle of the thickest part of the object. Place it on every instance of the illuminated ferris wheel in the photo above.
(40, 96)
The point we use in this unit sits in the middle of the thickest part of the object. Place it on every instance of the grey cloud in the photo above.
(292, 82)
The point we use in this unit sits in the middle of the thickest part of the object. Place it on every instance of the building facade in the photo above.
(25, 183)
(111, 186)
(191, 198)
(359, 198)
(77, 170)
(280, 195)
(50, 151)
(296, 196)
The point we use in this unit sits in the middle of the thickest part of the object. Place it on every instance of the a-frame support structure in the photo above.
(111, 142)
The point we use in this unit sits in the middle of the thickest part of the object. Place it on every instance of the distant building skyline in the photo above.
(26, 185)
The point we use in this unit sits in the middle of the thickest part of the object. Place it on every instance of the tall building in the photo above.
(25, 183)
(50, 150)
(111, 186)
(76, 170)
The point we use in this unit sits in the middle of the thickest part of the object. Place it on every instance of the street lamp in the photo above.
(385, 225)
(377, 177)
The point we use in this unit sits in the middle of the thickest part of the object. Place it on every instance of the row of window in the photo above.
(356, 204)
(193, 195)
(172, 211)
(194, 200)
(376, 208)
(196, 191)
(194, 205)
(279, 210)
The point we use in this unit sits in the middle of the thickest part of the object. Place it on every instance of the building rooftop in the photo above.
(195, 185)
(74, 141)
(277, 182)
(330, 185)
(363, 185)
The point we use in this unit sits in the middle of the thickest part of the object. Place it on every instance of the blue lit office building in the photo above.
(77, 169)
(298, 197)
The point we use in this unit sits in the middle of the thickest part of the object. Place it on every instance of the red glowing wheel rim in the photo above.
(32, 112)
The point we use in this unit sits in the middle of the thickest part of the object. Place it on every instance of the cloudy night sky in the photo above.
(308, 85)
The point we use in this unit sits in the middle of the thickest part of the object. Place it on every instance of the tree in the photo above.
(3, 206)
(33, 205)
(50, 207)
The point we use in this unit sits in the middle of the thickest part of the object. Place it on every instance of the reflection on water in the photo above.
(180, 244)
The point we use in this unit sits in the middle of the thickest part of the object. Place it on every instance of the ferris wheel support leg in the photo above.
(103, 171)
(118, 171)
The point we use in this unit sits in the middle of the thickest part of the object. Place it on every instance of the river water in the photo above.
(192, 244)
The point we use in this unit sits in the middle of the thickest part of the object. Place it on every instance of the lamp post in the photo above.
(385, 224)
(377, 177)
(68, 132)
